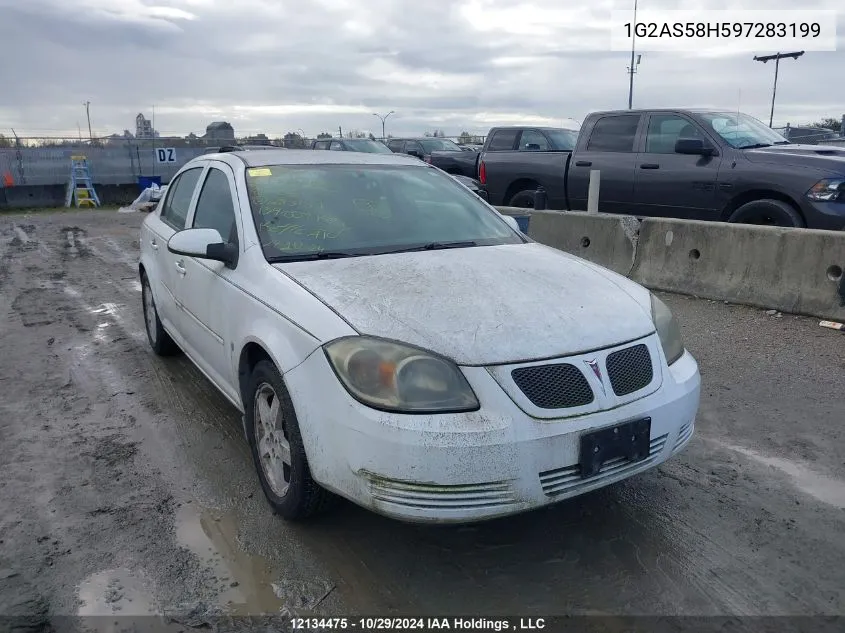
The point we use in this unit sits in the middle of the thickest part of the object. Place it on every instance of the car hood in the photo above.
(482, 305)
(827, 157)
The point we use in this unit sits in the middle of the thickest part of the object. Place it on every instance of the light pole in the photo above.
(777, 58)
(87, 105)
(383, 119)
(633, 67)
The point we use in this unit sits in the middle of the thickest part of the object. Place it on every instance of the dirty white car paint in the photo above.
(450, 383)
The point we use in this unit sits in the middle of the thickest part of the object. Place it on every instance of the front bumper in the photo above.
(470, 466)
(827, 216)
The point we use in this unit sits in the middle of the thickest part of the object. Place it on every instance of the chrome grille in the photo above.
(629, 369)
(560, 386)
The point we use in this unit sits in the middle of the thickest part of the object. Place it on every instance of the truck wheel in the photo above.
(277, 450)
(767, 213)
(523, 199)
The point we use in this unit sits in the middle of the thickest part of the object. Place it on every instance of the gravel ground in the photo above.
(126, 487)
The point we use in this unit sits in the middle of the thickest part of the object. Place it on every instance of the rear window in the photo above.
(503, 140)
(614, 133)
(440, 145)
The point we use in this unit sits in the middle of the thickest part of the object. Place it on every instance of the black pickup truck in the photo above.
(694, 164)
(440, 152)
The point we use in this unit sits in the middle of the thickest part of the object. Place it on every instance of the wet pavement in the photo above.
(126, 486)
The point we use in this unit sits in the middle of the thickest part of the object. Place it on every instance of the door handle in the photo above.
(583, 163)
(180, 267)
(154, 244)
(649, 166)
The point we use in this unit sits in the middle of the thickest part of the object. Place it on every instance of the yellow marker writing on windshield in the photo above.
(260, 171)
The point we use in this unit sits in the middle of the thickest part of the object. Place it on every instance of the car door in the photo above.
(204, 288)
(675, 185)
(171, 216)
(610, 149)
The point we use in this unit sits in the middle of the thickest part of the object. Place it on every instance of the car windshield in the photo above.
(563, 139)
(367, 145)
(440, 145)
(308, 211)
(742, 131)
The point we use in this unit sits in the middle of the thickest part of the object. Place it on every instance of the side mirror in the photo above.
(533, 147)
(204, 244)
(482, 193)
(512, 223)
(692, 146)
(413, 152)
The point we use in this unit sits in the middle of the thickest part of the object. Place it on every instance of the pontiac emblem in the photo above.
(594, 365)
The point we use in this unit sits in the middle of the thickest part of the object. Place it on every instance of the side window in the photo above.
(503, 140)
(414, 146)
(214, 207)
(321, 145)
(614, 133)
(665, 129)
(395, 146)
(179, 193)
(337, 146)
(533, 141)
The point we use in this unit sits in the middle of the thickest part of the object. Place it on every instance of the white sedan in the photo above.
(392, 339)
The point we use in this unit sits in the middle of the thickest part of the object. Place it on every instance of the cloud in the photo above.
(278, 65)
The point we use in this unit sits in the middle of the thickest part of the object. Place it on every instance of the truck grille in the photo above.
(629, 369)
(560, 386)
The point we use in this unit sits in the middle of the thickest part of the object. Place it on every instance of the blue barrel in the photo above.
(522, 221)
(148, 181)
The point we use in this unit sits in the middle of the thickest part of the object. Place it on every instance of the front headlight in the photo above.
(393, 376)
(667, 329)
(827, 190)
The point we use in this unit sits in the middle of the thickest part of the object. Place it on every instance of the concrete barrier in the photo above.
(607, 240)
(792, 270)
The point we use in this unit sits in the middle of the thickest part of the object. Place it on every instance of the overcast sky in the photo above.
(275, 66)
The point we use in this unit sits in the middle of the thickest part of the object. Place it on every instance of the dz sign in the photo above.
(166, 155)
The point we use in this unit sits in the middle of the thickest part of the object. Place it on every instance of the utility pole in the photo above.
(777, 58)
(383, 119)
(87, 105)
(339, 131)
(633, 67)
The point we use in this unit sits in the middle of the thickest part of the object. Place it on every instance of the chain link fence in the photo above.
(118, 161)
(46, 161)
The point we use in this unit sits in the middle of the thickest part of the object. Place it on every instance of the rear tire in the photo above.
(768, 213)
(523, 199)
(277, 450)
(159, 339)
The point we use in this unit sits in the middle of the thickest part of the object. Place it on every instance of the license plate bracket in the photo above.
(630, 441)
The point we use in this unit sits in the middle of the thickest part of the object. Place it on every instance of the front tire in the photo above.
(276, 445)
(159, 339)
(768, 213)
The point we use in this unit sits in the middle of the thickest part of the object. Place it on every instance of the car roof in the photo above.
(310, 157)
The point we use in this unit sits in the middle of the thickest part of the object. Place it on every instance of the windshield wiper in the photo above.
(756, 146)
(307, 257)
(783, 142)
(431, 246)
